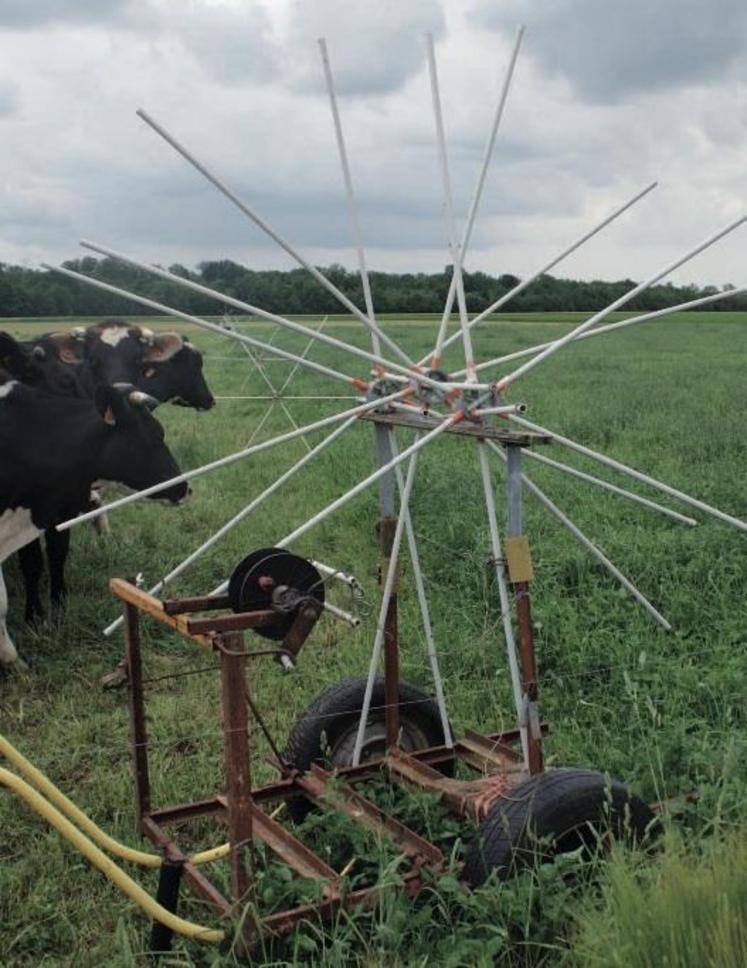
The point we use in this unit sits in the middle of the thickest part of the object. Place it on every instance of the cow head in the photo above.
(172, 370)
(113, 350)
(135, 453)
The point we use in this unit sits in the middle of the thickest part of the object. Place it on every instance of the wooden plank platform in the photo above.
(465, 428)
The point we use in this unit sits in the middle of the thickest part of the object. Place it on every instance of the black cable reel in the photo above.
(277, 580)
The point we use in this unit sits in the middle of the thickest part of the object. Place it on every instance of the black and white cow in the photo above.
(73, 363)
(53, 448)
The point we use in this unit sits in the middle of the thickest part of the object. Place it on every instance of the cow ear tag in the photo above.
(108, 416)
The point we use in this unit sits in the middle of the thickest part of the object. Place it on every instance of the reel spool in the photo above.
(272, 578)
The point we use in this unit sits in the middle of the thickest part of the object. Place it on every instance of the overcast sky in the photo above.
(606, 97)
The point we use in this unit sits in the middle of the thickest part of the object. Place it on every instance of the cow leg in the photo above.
(32, 567)
(8, 654)
(58, 545)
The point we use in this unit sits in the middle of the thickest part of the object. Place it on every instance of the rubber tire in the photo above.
(561, 804)
(336, 710)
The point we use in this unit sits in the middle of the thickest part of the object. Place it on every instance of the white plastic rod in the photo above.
(371, 479)
(611, 327)
(476, 196)
(230, 459)
(206, 324)
(417, 573)
(240, 516)
(386, 595)
(349, 193)
(363, 270)
(446, 385)
(613, 488)
(268, 398)
(499, 411)
(521, 286)
(507, 380)
(508, 630)
(290, 324)
(631, 472)
(589, 545)
(260, 223)
(350, 580)
(456, 253)
(340, 613)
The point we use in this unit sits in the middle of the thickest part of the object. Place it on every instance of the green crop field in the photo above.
(664, 711)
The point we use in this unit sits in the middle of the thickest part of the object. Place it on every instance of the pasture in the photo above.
(663, 711)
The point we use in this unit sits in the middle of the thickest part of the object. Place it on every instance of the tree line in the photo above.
(35, 292)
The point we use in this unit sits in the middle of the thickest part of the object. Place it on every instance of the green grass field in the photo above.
(663, 711)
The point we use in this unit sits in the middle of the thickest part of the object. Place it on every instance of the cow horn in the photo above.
(147, 336)
(39, 353)
(78, 332)
(139, 399)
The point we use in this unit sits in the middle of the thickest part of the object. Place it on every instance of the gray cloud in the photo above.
(374, 46)
(240, 84)
(607, 51)
(10, 99)
(232, 44)
(26, 14)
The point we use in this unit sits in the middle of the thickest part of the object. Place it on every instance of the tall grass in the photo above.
(689, 910)
(664, 712)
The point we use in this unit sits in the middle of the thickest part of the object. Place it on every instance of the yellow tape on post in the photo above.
(519, 559)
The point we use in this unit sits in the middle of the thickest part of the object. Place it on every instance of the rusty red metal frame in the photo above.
(493, 758)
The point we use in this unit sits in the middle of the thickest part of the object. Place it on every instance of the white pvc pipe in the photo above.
(476, 196)
(204, 323)
(589, 545)
(599, 482)
(439, 385)
(417, 573)
(391, 575)
(350, 580)
(363, 270)
(350, 194)
(456, 254)
(230, 459)
(250, 214)
(499, 411)
(339, 344)
(268, 398)
(241, 515)
(631, 472)
(611, 327)
(508, 630)
(340, 613)
(521, 286)
(507, 380)
(371, 479)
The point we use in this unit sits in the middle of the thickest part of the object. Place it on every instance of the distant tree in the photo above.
(32, 292)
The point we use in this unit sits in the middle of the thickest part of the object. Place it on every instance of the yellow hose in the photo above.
(56, 796)
(107, 867)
